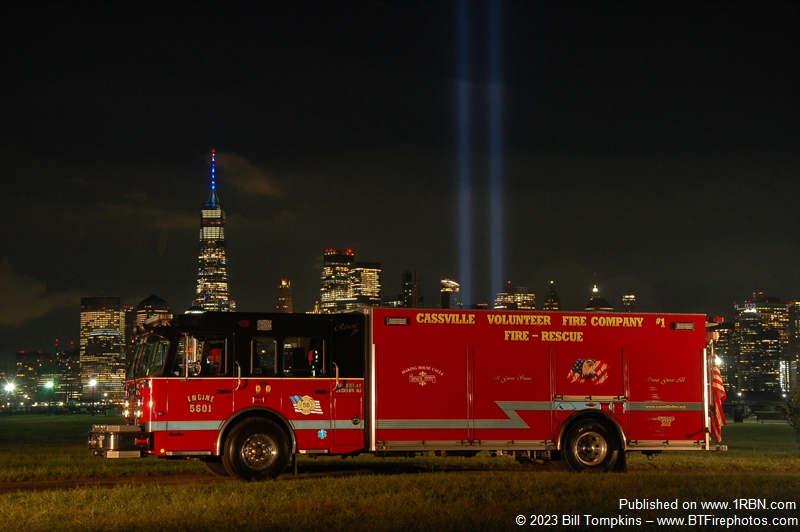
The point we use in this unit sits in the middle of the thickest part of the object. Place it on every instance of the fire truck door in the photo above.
(200, 393)
(588, 378)
(667, 394)
(307, 384)
(348, 411)
(512, 399)
(422, 392)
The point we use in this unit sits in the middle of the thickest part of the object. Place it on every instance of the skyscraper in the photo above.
(347, 284)
(366, 284)
(149, 307)
(725, 351)
(516, 298)
(99, 313)
(551, 300)
(410, 285)
(794, 343)
(335, 293)
(597, 303)
(762, 345)
(628, 302)
(450, 295)
(102, 346)
(284, 296)
(104, 362)
(212, 269)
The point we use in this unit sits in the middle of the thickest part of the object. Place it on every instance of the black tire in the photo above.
(591, 447)
(256, 449)
(542, 465)
(215, 466)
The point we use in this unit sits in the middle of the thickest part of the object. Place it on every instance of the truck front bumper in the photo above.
(119, 441)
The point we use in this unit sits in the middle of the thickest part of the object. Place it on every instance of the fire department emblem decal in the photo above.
(588, 369)
(422, 378)
(666, 421)
(424, 374)
(305, 405)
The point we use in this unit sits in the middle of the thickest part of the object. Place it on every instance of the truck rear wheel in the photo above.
(591, 447)
(256, 449)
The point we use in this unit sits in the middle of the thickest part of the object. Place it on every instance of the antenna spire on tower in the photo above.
(213, 200)
(213, 170)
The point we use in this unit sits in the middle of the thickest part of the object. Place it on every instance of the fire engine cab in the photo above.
(247, 392)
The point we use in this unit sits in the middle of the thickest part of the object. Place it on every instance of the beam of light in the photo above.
(495, 149)
(464, 96)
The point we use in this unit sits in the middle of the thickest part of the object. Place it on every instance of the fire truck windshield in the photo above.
(149, 356)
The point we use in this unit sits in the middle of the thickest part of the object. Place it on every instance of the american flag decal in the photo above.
(588, 369)
(305, 405)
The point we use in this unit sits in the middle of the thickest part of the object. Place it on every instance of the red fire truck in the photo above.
(245, 392)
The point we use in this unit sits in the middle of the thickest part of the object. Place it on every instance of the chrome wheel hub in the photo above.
(259, 451)
(590, 448)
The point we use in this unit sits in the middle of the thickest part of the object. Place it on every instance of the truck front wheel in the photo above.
(256, 449)
(591, 447)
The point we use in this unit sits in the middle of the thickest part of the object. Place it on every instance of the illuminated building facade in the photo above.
(27, 366)
(410, 286)
(99, 313)
(335, 293)
(450, 295)
(725, 351)
(628, 302)
(103, 346)
(366, 284)
(66, 378)
(347, 284)
(284, 296)
(597, 303)
(551, 300)
(794, 344)
(212, 269)
(150, 307)
(761, 326)
(105, 363)
(45, 378)
(519, 298)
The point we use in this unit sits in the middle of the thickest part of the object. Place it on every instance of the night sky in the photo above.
(648, 146)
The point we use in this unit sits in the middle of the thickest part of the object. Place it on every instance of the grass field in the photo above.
(480, 493)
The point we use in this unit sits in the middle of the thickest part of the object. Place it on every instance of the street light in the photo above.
(93, 386)
(9, 388)
(48, 386)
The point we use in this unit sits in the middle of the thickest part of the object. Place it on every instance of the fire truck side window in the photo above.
(206, 356)
(151, 353)
(263, 357)
(304, 357)
(159, 358)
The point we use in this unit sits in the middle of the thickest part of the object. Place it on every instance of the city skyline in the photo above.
(650, 147)
(624, 301)
(757, 353)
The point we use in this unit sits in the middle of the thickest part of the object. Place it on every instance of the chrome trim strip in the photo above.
(388, 424)
(509, 408)
(189, 425)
